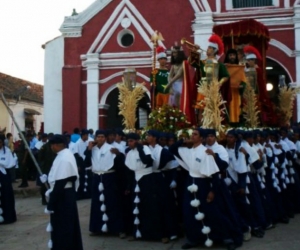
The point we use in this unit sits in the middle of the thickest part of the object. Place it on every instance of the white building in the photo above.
(26, 105)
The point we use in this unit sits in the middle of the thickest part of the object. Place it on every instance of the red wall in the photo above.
(172, 18)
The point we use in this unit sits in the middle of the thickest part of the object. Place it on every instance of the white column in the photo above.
(297, 51)
(202, 28)
(92, 97)
(287, 4)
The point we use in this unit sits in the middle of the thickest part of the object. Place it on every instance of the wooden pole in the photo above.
(22, 137)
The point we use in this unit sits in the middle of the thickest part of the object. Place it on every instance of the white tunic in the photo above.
(120, 146)
(102, 158)
(291, 145)
(81, 146)
(220, 150)
(39, 144)
(6, 159)
(63, 166)
(156, 154)
(73, 147)
(134, 162)
(197, 161)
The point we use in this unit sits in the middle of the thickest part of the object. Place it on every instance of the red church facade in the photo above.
(83, 66)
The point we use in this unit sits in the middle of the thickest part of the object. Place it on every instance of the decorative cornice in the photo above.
(72, 25)
(244, 13)
(282, 47)
(272, 21)
(126, 54)
(297, 53)
(92, 60)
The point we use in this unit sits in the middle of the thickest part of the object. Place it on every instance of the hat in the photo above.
(284, 129)
(44, 135)
(153, 133)
(133, 136)
(211, 131)
(163, 135)
(248, 134)
(216, 42)
(171, 136)
(110, 132)
(84, 132)
(231, 132)
(202, 132)
(57, 139)
(119, 132)
(251, 53)
(101, 132)
(160, 53)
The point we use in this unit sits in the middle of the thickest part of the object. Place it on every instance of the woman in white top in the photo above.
(7, 199)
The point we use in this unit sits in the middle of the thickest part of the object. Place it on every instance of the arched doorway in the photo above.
(275, 75)
(114, 120)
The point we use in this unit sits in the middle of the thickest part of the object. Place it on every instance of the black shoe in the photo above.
(230, 246)
(270, 226)
(187, 246)
(44, 203)
(23, 185)
(285, 220)
(257, 233)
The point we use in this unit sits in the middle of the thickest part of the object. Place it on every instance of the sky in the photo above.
(25, 25)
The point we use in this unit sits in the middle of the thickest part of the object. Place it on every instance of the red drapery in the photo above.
(256, 34)
(247, 31)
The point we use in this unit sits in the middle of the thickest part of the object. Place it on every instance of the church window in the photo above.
(125, 38)
(251, 3)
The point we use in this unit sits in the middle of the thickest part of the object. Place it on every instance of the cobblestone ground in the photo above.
(29, 232)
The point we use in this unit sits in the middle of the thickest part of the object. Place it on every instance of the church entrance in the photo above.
(114, 120)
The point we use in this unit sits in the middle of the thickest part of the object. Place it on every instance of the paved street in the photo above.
(29, 232)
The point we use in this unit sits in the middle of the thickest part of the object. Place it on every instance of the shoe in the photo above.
(23, 185)
(122, 235)
(187, 246)
(44, 203)
(173, 237)
(257, 233)
(285, 220)
(94, 234)
(247, 235)
(165, 240)
(230, 246)
(131, 238)
(270, 226)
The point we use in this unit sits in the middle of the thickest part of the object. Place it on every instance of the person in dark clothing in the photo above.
(63, 179)
(45, 157)
(7, 199)
(106, 212)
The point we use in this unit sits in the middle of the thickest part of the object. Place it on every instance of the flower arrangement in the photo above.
(167, 119)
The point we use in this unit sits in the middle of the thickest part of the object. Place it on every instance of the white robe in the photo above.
(81, 146)
(220, 150)
(197, 161)
(134, 162)
(6, 159)
(63, 166)
(102, 158)
(156, 154)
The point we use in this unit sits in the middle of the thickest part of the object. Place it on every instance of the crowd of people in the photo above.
(163, 188)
